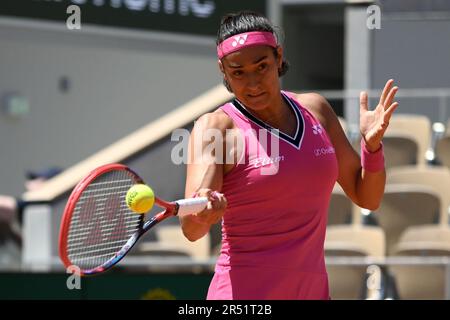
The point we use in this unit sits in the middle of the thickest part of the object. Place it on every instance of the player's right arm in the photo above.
(205, 171)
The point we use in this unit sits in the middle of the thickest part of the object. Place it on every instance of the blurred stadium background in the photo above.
(139, 69)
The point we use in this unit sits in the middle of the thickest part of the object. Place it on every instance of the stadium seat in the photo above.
(436, 177)
(405, 205)
(413, 196)
(400, 150)
(349, 281)
(407, 140)
(422, 281)
(443, 150)
(424, 240)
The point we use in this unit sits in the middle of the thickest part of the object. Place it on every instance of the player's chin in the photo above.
(258, 102)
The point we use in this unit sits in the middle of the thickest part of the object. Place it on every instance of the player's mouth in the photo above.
(258, 95)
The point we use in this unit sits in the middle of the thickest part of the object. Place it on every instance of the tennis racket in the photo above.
(98, 229)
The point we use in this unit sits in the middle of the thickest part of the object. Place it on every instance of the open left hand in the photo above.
(373, 124)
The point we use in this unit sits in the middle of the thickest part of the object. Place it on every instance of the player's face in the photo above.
(253, 75)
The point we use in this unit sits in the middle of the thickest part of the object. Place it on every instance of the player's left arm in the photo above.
(363, 187)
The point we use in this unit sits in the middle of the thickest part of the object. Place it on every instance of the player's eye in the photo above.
(262, 66)
(237, 73)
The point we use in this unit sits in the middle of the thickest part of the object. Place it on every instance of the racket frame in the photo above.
(171, 209)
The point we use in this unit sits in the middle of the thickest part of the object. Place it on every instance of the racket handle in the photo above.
(190, 206)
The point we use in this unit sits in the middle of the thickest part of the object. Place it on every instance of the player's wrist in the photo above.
(372, 161)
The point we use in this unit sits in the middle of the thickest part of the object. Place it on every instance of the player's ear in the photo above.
(219, 62)
(225, 81)
(279, 57)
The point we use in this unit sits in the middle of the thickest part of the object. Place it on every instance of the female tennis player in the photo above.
(274, 221)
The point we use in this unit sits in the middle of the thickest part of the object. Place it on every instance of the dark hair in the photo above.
(246, 21)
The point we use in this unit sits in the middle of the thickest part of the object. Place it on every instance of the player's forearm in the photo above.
(370, 188)
(193, 230)
(371, 177)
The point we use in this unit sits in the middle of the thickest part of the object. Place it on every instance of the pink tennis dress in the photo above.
(273, 230)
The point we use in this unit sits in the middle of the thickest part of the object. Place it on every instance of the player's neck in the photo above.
(278, 113)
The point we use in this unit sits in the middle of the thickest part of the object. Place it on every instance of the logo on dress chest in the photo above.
(265, 161)
(317, 129)
(323, 151)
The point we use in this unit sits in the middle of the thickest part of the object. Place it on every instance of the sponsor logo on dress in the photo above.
(264, 161)
(317, 129)
(323, 151)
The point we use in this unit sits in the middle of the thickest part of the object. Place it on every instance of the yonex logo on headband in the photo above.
(246, 39)
(239, 40)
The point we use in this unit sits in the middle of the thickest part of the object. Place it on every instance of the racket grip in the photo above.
(190, 206)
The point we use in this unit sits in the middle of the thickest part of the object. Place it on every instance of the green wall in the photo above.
(113, 285)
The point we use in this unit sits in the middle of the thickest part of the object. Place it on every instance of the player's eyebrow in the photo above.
(231, 65)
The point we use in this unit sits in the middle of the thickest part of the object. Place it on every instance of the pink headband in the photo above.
(244, 40)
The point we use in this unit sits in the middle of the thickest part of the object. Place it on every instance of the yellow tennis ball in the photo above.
(140, 198)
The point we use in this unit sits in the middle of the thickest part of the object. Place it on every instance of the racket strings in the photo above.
(101, 222)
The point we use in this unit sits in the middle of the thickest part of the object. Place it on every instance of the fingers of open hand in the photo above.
(363, 98)
(388, 113)
(390, 97)
(386, 90)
